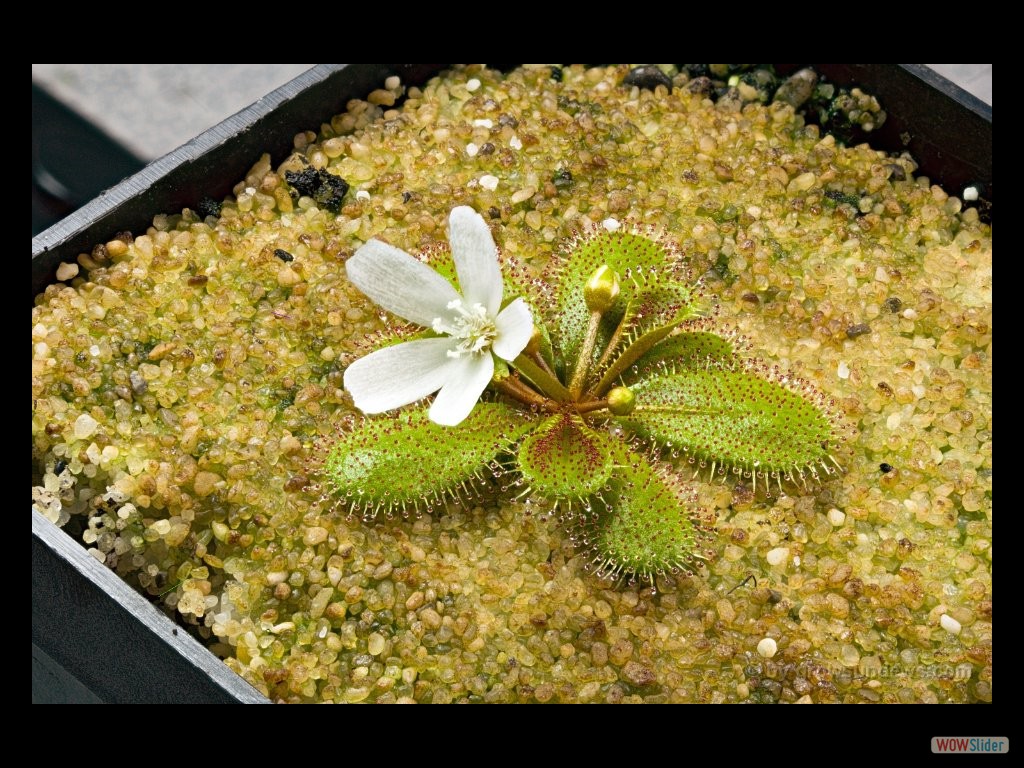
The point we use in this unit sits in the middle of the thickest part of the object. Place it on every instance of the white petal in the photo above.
(467, 380)
(399, 375)
(514, 325)
(400, 283)
(476, 258)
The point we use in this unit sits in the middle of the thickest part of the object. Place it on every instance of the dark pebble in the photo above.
(487, 149)
(556, 74)
(60, 466)
(296, 483)
(207, 206)
(893, 304)
(325, 188)
(493, 212)
(772, 688)
(695, 70)
(562, 178)
(197, 280)
(885, 468)
(283, 255)
(304, 182)
(639, 674)
(797, 88)
(724, 70)
(138, 382)
(836, 196)
(505, 119)
(647, 76)
(701, 85)
(859, 329)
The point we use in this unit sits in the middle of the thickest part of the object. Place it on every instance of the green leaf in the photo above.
(747, 419)
(692, 345)
(643, 261)
(646, 524)
(565, 458)
(392, 463)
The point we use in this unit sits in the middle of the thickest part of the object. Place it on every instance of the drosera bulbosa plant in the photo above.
(599, 390)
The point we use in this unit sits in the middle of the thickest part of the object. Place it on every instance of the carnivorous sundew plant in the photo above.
(601, 389)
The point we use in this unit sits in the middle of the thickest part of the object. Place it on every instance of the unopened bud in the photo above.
(621, 401)
(602, 289)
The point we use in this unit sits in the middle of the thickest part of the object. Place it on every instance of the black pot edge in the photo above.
(80, 606)
(947, 130)
(149, 667)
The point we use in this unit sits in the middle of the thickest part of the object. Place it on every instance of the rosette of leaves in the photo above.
(625, 394)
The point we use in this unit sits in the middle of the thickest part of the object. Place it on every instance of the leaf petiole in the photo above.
(542, 377)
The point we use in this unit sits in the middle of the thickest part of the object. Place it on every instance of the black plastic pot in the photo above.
(96, 639)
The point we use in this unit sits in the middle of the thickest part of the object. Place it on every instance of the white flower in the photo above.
(459, 363)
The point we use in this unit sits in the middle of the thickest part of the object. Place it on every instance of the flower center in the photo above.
(473, 325)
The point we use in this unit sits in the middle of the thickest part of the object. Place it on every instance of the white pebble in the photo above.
(612, 225)
(66, 271)
(970, 194)
(392, 82)
(472, 149)
(881, 275)
(515, 143)
(950, 624)
(777, 556)
(843, 371)
(489, 182)
(472, 85)
(522, 195)
(910, 314)
(767, 647)
(85, 426)
(836, 516)
(894, 421)
(362, 194)
(483, 123)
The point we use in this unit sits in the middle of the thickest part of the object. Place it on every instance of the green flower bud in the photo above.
(602, 289)
(621, 401)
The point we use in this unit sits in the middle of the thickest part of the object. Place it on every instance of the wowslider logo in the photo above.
(970, 744)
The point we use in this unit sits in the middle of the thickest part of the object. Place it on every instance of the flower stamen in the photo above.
(474, 326)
